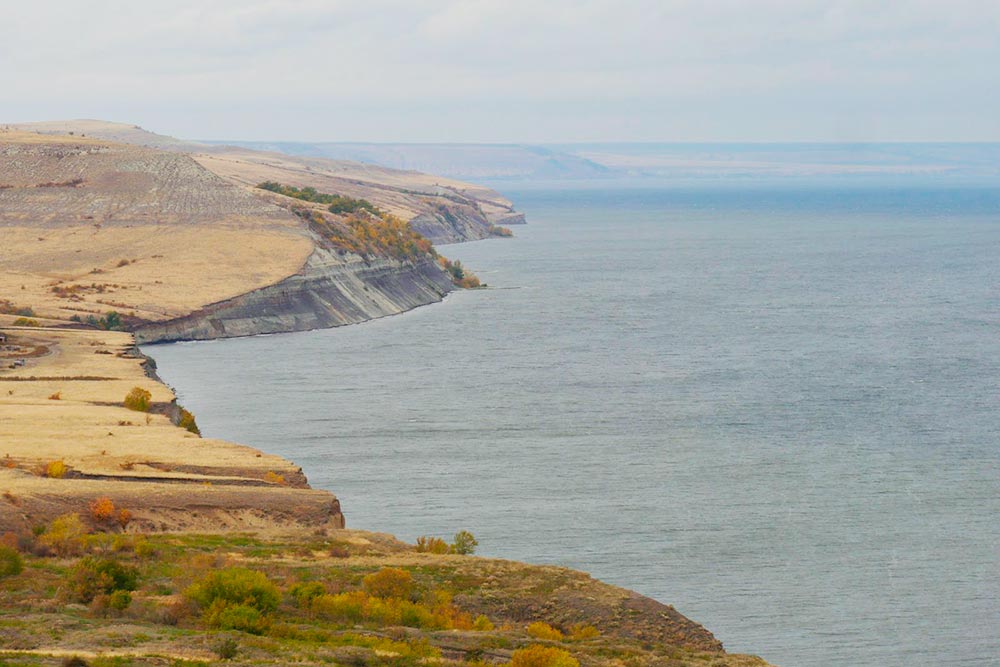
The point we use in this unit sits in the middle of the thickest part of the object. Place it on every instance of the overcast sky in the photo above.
(510, 70)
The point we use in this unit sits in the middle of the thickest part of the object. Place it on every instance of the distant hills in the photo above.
(498, 162)
(472, 161)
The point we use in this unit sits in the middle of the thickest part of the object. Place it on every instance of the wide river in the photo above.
(774, 406)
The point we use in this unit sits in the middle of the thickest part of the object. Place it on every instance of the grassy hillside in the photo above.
(444, 210)
(346, 598)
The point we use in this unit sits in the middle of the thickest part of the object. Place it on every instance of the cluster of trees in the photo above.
(371, 236)
(110, 322)
(459, 274)
(367, 231)
(465, 543)
(9, 308)
(339, 204)
(390, 236)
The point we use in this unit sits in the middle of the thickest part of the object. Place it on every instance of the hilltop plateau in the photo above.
(443, 209)
(182, 245)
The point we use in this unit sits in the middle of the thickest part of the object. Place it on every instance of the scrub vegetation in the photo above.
(81, 586)
(358, 226)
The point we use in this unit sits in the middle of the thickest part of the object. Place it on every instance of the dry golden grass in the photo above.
(405, 194)
(172, 269)
(15, 136)
(141, 231)
(110, 450)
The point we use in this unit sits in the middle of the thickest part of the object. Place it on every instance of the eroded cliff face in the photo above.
(332, 289)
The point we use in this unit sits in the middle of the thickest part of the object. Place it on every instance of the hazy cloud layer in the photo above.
(511, 70)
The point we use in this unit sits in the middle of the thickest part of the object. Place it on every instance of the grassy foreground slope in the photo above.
(346, 597)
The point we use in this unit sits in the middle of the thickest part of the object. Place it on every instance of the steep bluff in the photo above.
(181, 252)
(327, 292)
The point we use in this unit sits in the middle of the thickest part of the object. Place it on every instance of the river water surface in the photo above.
(773, 406)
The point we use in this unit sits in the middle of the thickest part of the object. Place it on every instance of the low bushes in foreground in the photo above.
(236, 598)
(542, 656)
(105, 576)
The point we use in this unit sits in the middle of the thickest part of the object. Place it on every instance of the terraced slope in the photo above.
(66, 439)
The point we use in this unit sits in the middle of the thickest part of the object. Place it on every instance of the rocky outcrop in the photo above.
(331, 290)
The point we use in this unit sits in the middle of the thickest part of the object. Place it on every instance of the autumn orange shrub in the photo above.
(272, 477)
(102, 510)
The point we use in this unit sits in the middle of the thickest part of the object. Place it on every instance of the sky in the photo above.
(510, 71)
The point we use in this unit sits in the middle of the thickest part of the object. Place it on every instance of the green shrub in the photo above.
(338, 204)
(305, 593)
(25, 322)
(92, 577)
(138, 399)
(241, 617)
(11, 563)
(227, 649)
(464, 543)
(237, 586)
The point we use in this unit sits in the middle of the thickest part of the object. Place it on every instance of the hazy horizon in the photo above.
(491, 71)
